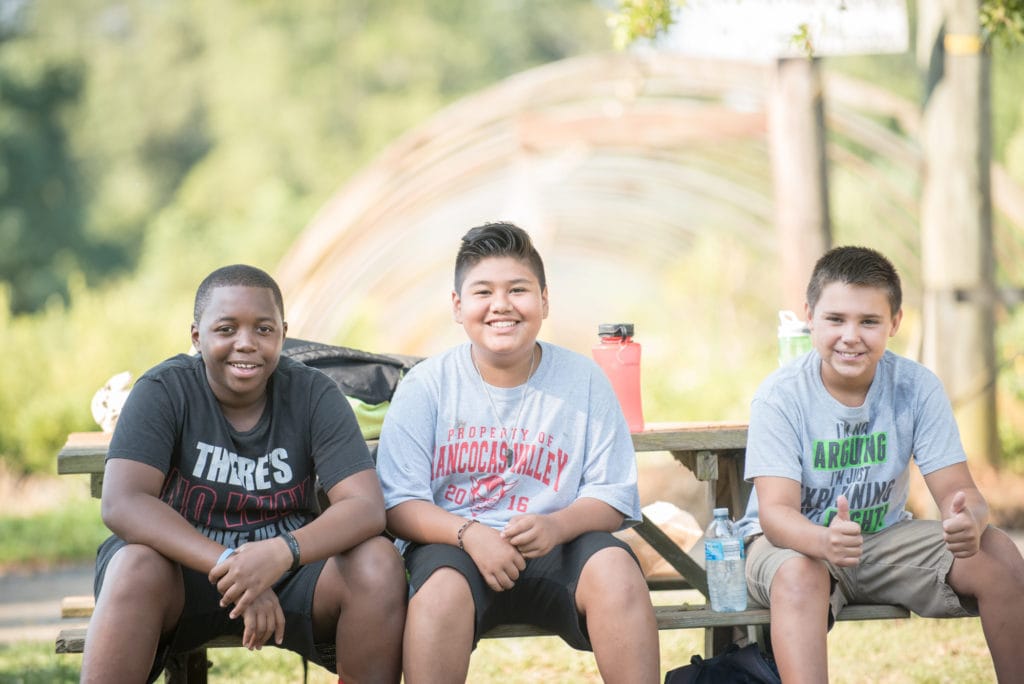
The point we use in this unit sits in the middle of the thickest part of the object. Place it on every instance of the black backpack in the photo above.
(366, 379)
(747, 665)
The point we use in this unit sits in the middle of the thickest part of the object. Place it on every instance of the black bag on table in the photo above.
(366, 379)
(736, 665)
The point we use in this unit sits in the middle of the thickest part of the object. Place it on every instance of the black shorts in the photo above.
(202, 618)
(543, 596)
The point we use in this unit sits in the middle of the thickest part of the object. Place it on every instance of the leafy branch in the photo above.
(641, 20)
(1003, 20)
(647, 19)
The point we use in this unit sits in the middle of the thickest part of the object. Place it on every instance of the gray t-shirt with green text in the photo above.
(799, 431)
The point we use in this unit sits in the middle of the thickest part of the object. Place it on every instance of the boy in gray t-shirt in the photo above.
(506, 464)
(829, 447)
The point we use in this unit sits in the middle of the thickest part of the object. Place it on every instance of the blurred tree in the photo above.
(184, 135)
(224, 118)
(41, 237)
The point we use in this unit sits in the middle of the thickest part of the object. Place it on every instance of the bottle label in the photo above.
(723, 550)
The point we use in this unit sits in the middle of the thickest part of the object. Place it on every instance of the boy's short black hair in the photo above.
(861, 266)
(236, 274)
(497, 240)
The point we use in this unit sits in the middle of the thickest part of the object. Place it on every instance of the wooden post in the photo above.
(956, 220)
(797, 139)
(187, 668)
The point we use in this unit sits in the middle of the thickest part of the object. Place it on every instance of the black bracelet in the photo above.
(293, 546)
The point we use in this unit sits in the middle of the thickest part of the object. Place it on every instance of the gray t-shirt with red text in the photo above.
(442, 442)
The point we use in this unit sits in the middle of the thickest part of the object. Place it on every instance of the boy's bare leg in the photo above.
(359, 603)
(613, 595)
(142, 597)
(995, 577)
(439, 630)
(799, 605)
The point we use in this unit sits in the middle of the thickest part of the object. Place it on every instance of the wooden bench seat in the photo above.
(685, 616)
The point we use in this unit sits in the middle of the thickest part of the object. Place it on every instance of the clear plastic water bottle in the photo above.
(725, 562)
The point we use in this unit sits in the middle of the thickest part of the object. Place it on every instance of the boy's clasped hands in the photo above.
(501, 556)
(245, 579)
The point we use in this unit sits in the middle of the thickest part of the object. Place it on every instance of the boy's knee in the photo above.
(375, 563)
(801, 578)
(998, 567)
(142, 580)
(611, 574)
(138, 567)
(612, 565)
(444, 589)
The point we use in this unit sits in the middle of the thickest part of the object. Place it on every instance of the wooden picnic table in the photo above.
(713, 451)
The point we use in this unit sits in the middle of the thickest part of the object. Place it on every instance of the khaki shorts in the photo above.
(905, 564)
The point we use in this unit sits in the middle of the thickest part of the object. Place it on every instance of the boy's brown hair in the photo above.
(861, 266)
(497, 240)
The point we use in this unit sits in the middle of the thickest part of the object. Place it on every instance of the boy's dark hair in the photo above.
(859, 266)
(497, 240)
(236, 274)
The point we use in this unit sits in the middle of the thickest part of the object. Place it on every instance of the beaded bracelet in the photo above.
(462, 531)
(293, 546)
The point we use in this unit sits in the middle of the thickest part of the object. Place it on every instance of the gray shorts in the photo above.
(544, 595)
(905, 564)
(202, 618)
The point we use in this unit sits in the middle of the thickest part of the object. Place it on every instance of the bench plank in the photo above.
(72, 639)
(77, 606)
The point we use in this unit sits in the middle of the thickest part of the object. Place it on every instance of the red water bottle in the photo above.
(619, 357)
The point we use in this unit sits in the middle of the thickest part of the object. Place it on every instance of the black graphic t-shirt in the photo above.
(235, 486)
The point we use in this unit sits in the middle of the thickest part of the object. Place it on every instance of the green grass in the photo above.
(68, 533)
(890, 651)
(36, 663)
(915, 650)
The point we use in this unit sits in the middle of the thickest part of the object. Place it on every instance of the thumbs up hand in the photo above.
(843, 507)
(844, 540)
(960, 528)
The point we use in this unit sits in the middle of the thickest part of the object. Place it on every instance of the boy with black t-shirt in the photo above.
(210, 490)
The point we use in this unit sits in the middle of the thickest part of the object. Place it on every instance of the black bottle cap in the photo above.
(615, 330)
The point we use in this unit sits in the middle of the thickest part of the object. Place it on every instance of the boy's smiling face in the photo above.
(850, 327)
(501, 307)
(240, 336)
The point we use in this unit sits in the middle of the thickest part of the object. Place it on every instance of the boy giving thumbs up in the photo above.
(829, 446)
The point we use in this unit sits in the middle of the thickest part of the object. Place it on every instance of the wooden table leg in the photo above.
(691, 571)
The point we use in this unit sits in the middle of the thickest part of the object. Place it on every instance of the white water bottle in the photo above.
(725, 563)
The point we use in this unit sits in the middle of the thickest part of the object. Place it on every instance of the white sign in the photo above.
(764, 30)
